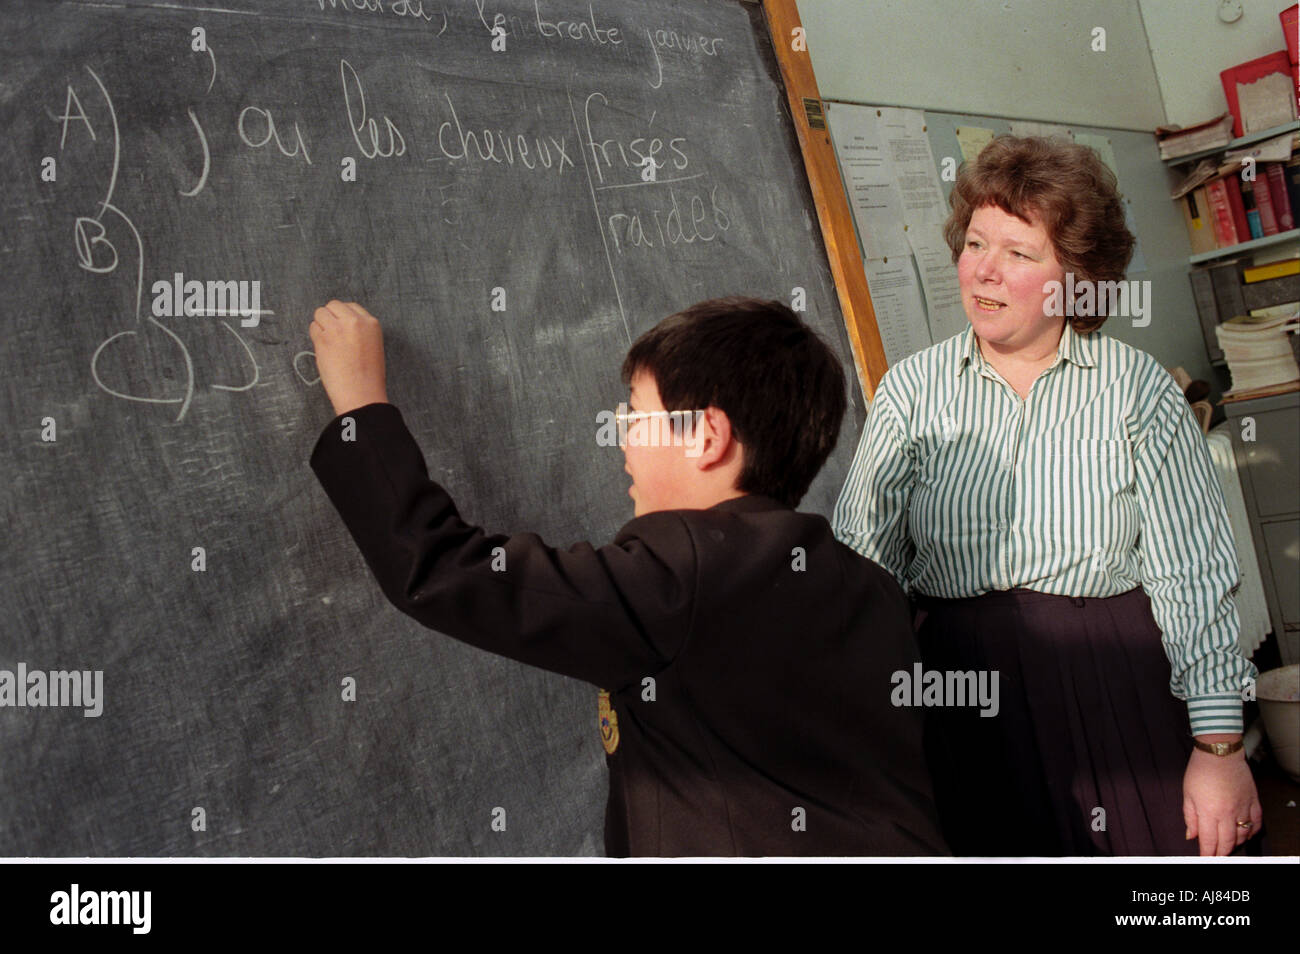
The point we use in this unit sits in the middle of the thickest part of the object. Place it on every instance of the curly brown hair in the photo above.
(1063, 185)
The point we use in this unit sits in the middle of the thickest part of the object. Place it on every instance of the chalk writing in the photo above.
(207, 156)
(686, 42)
(407, 9)
(85, 260)
(96, 253)
(504, 147)
(609, 152)
(576, 29)
(263, 116)
(650, 187)
(540, 25)
(396, 143)
(636, 229)
(67, 114)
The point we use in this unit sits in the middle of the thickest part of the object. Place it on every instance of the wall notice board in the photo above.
(1167, 329)
(135, 154)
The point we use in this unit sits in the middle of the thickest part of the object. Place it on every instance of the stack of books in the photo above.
(1176, 142)
(1221, 209)
(1258, 352)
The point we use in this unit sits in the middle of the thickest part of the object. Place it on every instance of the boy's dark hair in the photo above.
(779, 383)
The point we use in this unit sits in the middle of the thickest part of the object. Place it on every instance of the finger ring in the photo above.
(1243, 824)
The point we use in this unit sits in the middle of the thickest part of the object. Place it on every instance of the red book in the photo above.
(1249, 72)
(1225, 230)
(1290, 18)
(1276, 177)
(1264, 203)
(1238, 207)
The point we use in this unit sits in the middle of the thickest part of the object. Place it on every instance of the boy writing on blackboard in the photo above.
(744, 655)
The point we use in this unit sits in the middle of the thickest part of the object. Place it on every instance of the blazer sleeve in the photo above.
(609, 615)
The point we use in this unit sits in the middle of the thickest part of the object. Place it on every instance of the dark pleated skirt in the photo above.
(1087, 752)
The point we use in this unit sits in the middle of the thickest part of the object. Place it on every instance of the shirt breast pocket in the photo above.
(1094, 470)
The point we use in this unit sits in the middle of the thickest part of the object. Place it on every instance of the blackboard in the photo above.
(499, 225)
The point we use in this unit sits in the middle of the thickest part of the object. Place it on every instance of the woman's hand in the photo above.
(350, 355)
(1218, 792)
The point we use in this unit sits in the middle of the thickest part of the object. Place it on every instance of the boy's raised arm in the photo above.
(610, 616)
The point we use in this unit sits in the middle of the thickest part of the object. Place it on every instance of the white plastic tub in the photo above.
(1278, 693)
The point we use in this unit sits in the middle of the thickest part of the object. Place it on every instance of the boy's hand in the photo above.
(350, 355)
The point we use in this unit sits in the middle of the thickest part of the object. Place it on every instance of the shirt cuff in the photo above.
(1215, 712)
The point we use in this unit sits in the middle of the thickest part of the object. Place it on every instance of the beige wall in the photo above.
(1190, 46)
(1023, 59)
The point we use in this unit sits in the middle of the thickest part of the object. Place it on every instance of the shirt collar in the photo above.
(1072, 347)
(1077, 348)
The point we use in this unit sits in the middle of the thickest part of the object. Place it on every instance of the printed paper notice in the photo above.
(1045, 130)
(900, 313)
(972, 139)
(903, 132)
(868, 175)
(939, 279)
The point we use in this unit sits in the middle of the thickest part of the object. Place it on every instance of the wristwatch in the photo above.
(1219, 748)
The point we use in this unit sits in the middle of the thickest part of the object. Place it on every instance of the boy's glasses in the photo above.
(656, 433)
(626, 419)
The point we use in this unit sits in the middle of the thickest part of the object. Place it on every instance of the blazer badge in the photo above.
(608, 723)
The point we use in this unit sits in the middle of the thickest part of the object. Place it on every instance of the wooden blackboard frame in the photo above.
(829, 196)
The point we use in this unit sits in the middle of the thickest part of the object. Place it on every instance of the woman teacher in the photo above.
(1044, 493)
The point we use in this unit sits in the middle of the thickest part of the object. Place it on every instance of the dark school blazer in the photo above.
(747, 654)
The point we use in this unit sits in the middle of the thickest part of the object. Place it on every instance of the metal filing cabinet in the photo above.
(1270, 482)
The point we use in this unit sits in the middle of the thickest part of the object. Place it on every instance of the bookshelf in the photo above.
(1251, 246)
(1228, 297)
(1247, 140)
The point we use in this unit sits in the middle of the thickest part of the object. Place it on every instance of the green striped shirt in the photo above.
(1099, 481)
